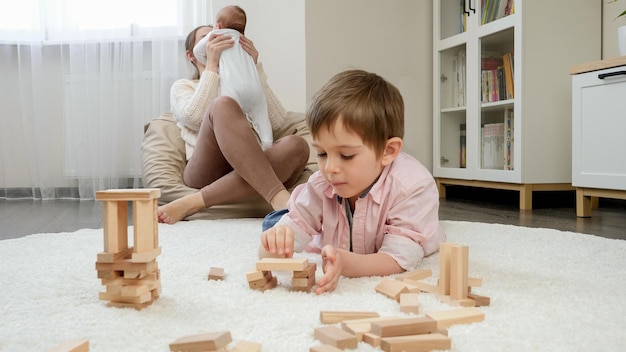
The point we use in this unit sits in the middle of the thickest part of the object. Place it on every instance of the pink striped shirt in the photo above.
(399, 215)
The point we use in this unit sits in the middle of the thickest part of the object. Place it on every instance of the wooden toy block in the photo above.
(361, 326)
(391, 288)
(115, 226)
(246, 346)
(336, 316)
(151, 280)
(136, 306)
(104, 257)
(480, 300)
(409, 303)
(308, 272)
(458, 272)
(134, 290)
(270, 285)
(127, 265)
(145, 225)
(254, 275)
(416, 343)
(114, 289)
(110, 274)
(282, 264)
(216, 273)
(465, 302)
(474, 282)
(143, 298)
(404, 326)
(203, 342)
(71, 346)
(422, 286)
(302, 284)
(415, 275)
(324, 348)
(371, 339)
(445, 250)
(334, 336)
(131, 194)
(263, 281)
(448, 318)
(146, 256)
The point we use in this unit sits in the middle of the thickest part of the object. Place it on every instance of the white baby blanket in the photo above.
(239, 79)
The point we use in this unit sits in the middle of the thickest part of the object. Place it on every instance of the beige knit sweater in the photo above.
(190, 100)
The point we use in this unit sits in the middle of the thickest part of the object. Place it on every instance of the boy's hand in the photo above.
(278, 241)
(332, 265)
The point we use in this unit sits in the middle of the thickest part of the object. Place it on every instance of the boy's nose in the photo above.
(330, 166)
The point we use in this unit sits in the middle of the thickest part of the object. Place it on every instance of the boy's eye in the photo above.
(347, 157)
(321, 155)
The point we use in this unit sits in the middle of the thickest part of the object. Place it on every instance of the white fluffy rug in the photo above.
(550, 291)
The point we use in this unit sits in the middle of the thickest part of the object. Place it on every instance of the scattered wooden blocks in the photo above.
(261, 277)
(409, 303)
(404, 326)
(246, 346)
(130, 274)
(392, 288)
(456, 316)
(216, 273)
(332, 317)
(324, 348)
(282, 264)
(415, 274)
(212, 341)
(71, 346)
(416, 343)
(334, 336)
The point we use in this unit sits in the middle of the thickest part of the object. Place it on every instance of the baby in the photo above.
(239, 78)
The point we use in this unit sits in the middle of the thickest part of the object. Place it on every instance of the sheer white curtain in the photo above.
(78, 80)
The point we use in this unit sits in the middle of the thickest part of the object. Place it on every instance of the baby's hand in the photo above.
(278, 241)
(332, 265)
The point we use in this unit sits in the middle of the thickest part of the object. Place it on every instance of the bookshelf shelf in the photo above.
(502, 93)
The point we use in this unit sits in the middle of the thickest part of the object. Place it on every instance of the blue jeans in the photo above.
(272, 218)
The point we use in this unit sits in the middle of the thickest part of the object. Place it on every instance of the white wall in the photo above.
(390, 38)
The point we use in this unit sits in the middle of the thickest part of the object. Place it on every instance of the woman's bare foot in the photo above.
(280, 200)
(181, 208)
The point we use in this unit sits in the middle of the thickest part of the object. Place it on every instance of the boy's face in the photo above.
(347, 164)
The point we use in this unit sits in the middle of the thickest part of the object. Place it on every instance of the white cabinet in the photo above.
(598, 132)
(520, 141)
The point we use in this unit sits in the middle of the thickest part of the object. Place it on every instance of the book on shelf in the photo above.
(463, 146)
(496, 9)
(458, 71)
(492, 78)
(507, 62)
(492, 145)
(497, 143)
(508, 139)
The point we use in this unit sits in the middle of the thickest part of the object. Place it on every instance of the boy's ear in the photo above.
(393, 147)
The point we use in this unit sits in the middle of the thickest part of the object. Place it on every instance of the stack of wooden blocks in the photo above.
(130, 274)
(212, 341)
(261, 278)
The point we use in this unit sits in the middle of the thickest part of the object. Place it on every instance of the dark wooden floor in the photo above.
(555, 210)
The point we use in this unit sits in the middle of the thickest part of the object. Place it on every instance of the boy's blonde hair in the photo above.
(365, 104)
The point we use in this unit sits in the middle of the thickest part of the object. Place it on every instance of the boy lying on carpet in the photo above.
(371, 209)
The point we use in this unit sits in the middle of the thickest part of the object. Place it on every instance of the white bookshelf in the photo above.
(544, 38)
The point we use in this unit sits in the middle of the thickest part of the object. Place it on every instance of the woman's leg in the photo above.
(229, 165)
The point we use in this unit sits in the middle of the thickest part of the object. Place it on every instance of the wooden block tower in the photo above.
(130, 274)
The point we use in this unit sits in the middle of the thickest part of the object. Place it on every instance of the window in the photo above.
(61, 20)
